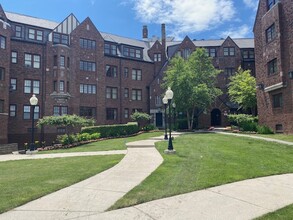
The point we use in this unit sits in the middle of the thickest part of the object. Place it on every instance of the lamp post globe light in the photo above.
(169, 95)
(33, 102)
(165, 102)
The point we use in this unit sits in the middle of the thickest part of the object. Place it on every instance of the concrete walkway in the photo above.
(256, 137)
(96, 194)
(8, 157)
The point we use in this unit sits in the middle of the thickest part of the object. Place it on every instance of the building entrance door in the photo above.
(159, 120)
(216, 117)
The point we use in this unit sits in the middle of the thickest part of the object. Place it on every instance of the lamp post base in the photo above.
(170, 151)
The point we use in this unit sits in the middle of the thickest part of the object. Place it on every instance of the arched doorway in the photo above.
(216, 117)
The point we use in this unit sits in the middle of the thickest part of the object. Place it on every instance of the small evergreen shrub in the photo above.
(263, 129)
(94, 136)
(244, 121)
(149, 127)
(67, 139)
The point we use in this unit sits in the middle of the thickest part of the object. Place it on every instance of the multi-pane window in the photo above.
(59, 38)
(32, 60)
(13, 57)
(186, 53)
(248, 54)
(12, 110)
(111, 71)
(229, 51)
(2, 73)
(61, 86)
(271, 33)
(13, 84)
(132, 52)
(32, 86)
(158, 101)
(87, 111)
(110, 49)
(87, 44)
(111, 93)
(62, 61)
(272, 67)
(278, 100)
(126, 72)
(126, 113)
(211, 52)
(111, 113)
(1, 106)
(126, 93)
(87, 66)
(157, 57)
(136, 94)
(2, 42)
(60, 110)
(87, 89)
(55, 60)
(27, 112)
(229, 72)
(271, 3)
(18, 31)
(136, 74)
(35, 34)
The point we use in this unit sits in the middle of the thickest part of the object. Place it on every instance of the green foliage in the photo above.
(140, 117)
(83, 137)
(244, 121)
(263, 129)
(149, 127)
(65, 120)
(193, 82)
(67, 139)
(242, 89)
(95, 136)
(112, 130)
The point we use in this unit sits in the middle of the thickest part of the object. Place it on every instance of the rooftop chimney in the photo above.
(163, 30)
(145, 32)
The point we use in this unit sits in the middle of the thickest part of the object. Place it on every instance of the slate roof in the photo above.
(24, 19)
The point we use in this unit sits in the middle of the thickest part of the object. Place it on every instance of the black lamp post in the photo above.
(174, 115)
(169, 95)
(33, 102)
(165, 102)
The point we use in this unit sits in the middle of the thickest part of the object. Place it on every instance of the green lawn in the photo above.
(105, 145)
(26, 180)
(206, 160)
(282, 214)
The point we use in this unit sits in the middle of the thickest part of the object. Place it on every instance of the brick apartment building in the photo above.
(274, 68)
(73, 68)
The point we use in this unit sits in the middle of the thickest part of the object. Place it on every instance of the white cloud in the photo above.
(240, 32)
(251, 4)
(185, 16)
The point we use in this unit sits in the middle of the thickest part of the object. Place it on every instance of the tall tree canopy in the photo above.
(193, 83)
(242, 89)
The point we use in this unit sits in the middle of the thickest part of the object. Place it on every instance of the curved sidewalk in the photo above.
(96, 194)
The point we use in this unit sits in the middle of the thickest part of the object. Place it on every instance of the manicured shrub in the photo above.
(149, 127)
(141, 118)
(67, 139)
(244, 121)
(263, 129)
(112, 130)
(94, 136)
(83, 137)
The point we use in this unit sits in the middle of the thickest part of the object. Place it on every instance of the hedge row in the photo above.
(112, 130)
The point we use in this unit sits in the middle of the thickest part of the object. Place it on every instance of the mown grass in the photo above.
(105, 145)
(281, 214)
(283, 137)
(25, 180)
(206, 160)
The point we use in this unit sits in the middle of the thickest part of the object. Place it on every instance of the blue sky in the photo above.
(208, 19)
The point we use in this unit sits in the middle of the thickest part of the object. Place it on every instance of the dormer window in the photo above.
(59, 38)
(132, 52)
(110, 49)
(35, 34)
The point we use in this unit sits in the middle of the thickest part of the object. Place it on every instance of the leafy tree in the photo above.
(193, 82)
(242, 89)
(140, 117)
(65, 121)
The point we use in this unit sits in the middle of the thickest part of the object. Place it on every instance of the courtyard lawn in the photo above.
(105, 145)
(206, 160)
(281, 214)
(282, 137)
(25, 180)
